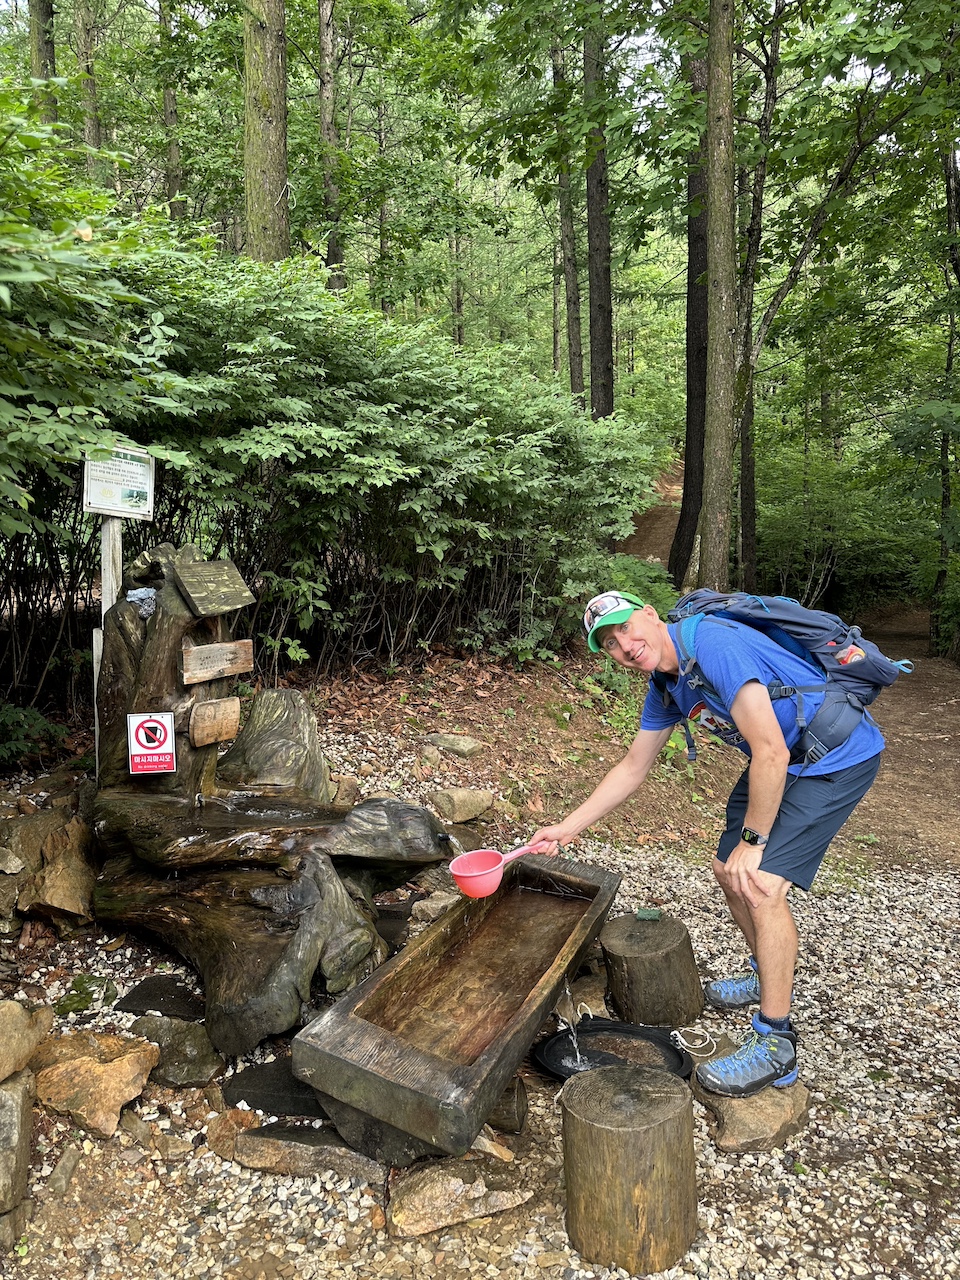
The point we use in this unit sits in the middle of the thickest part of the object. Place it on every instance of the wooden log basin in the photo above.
(429, 1041)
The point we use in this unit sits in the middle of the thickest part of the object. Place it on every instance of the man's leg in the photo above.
(771, 935)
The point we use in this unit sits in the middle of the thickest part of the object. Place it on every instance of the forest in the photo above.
(413, 301)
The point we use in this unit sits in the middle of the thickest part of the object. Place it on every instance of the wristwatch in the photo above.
(753, 837)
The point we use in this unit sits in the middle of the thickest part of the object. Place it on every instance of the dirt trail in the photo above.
(914, 808)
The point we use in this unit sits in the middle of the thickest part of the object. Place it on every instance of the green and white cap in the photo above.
(606, 610)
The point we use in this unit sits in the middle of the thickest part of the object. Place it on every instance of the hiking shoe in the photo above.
(765, 1057)
(734, 993)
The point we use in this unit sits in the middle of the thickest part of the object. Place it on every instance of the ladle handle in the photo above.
(517, 853)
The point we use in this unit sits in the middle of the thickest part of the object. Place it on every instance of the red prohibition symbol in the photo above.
(150, 735)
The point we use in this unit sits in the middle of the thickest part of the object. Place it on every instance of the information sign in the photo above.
(119, 484)
(150, 742)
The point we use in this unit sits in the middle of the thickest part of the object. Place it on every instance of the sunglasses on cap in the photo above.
(608, 602)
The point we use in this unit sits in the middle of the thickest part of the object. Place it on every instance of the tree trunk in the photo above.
(329, 140)
(85, 29)
(456, 291)
(176, 204)
(568, 246)
(748, 498)
(719, 417)
(940, 641)
(681, 551)
(598, 241)
(43, 62)
(265, 130)
(630, 1167)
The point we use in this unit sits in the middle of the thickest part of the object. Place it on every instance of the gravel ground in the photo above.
(870, 1188)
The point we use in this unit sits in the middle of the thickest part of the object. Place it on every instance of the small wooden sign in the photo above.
(214, 721)
(201, 662)
(212, 587)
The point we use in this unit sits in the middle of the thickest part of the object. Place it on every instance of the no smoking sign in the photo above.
(150, 742)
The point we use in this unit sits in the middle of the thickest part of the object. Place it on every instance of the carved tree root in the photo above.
(255, 935)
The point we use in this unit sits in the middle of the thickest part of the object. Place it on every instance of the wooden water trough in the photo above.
(428, 1042)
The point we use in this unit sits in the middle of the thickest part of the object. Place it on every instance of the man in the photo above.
(781, 816)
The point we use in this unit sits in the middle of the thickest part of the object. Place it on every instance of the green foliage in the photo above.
(72, 356)
(24, 732)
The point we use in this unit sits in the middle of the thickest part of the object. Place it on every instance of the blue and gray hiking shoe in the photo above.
(734, 993)
(765, 1057)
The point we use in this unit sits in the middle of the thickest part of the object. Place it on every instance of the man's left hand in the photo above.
(742, 876)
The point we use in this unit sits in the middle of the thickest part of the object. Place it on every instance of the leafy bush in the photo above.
(378, 490)
(24, 732)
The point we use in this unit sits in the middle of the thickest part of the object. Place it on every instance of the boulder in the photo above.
(224, 1129)
(461, 804)
(271, 1087)
(446, 1192)
(64, 883)
(90, 1076)
(16, 1123)
(761, 1123)
(21, 855)
(297, 1151)
(456, 744)
(20, 1033)
(187, 1058)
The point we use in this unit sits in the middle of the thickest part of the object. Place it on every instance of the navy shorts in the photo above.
(812, 811)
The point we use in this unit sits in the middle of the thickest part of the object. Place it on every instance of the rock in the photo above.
(171, 1148)
(374, 1138)
(23, 842)
(446, 1192)
(432, 908)
(13, 1225)
(586, 995)
(26, 806)
(90, 1076)
(488, 1146)
(63, 1171)
(300, 1152)
(64, 884)
(431, 755)
(278, 747)
(20, 1033)
(187, 1058)
(162, 994)
(457, 744)
(272, 1087)
(10, 864)
(224, 1129)
(461, 804)
(761, 1123)
(137, 1128)
(16, 1125)
(348, 791)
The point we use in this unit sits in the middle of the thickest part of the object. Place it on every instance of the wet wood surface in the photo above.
(435, 1063)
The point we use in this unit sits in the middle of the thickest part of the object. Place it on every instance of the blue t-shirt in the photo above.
(730, 654)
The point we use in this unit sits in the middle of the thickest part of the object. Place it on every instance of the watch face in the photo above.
(752, 837)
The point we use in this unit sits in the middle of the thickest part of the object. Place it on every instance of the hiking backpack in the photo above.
(851, 670)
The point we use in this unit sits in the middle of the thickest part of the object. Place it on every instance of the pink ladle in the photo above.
(478, 874)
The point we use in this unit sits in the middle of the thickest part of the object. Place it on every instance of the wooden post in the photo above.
(651, 971)
(630, 1167)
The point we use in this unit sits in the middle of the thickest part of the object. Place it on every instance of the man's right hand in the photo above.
(552, 839)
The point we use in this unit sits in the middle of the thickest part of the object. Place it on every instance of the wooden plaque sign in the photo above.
(214, 721)
(202, 662)
(212, 587)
